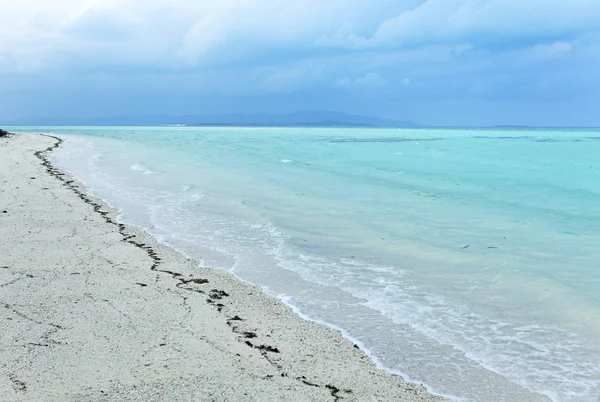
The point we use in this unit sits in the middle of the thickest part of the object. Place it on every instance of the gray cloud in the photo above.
(392, 59)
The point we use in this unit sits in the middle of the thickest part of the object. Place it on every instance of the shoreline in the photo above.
(123, 331)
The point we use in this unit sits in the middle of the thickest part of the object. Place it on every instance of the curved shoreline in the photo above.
(119, 331)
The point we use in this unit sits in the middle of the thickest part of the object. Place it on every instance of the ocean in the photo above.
(465, 259)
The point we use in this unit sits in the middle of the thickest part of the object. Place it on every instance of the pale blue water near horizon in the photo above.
(466, 259)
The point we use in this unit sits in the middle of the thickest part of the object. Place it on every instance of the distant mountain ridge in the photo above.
(295, 119)
(303, 119)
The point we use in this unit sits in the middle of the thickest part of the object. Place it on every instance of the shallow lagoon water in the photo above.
(464, 259)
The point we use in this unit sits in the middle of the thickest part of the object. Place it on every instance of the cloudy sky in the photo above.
(437, 62)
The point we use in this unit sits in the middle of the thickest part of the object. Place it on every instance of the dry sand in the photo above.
(91, 309)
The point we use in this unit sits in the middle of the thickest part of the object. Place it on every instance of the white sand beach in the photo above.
(91, 309)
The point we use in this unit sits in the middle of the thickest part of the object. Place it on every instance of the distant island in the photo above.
(508, 126)
(301, 119)
(295, 119)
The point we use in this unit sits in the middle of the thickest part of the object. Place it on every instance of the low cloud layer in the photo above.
(435, 61)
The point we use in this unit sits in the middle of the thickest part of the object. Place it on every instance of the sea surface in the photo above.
(465, 259)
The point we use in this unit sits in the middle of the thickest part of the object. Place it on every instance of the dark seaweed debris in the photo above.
(334, 390)
(267, 348)
(217, 294)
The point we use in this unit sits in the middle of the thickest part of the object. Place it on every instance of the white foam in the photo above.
(289, 301)
(143, 169)
(544, 360)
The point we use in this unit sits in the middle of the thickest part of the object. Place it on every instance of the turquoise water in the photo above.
(464, 259)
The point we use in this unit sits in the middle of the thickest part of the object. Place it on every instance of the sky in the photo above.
(435, 62)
